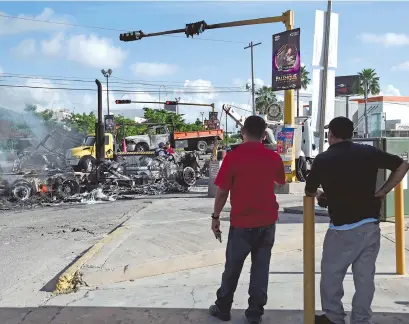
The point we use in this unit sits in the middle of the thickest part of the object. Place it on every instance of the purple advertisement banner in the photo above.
(286, 61)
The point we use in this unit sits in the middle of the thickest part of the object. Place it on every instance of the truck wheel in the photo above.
(141, 148)
(87, 163)
(202, 146)
(22, 190)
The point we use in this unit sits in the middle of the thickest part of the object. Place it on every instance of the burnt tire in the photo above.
(141, 148)
(201, 146)
(87, 163)
(187, 177)
(22, 190)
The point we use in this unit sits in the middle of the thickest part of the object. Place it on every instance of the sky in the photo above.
(212, 67)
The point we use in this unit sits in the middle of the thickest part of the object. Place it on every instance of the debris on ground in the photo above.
(40, 177)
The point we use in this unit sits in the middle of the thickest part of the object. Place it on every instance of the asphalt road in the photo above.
(36, 245)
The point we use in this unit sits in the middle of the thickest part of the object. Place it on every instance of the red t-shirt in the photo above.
(249, 172)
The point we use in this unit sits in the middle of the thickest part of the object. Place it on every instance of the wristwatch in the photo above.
(215, 217)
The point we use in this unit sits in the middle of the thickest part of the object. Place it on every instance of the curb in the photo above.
(71, 278)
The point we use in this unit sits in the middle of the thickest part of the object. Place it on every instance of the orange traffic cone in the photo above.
(123, 146)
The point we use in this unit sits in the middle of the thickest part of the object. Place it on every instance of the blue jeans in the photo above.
(241, 242)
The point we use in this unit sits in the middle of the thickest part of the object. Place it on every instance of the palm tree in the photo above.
(305, 81)
(371, 79)
(368, 84)
(265, 97)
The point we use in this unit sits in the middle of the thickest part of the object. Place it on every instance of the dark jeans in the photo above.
(241, 242)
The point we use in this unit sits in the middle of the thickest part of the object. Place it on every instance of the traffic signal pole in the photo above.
(287, 18)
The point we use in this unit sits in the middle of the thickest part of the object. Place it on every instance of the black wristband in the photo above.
(214, 217)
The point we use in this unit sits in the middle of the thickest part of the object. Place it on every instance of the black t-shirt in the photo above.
(347, 173)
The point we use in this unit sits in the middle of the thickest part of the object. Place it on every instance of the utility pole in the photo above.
(366, 135)
(251, 46)
(177, 106)
(107, 74)
(347, 106)
(202, 113)
(226, 132)
(324, 77)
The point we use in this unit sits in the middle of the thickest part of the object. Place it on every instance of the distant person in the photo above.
(254, 212)
(347, 173)
(160, 151)
(169, 148)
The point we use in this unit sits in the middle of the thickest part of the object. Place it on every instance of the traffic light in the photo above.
(131, 36)
(195, 28)
(120, 102)
(171, 106)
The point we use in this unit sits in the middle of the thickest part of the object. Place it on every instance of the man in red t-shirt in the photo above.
(248, 173)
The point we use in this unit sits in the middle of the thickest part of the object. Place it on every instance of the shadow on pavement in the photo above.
(119, 315)
(318, 273)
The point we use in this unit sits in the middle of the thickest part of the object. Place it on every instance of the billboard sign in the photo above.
(109, 123)
(347, 85)
(286, 61)
(213, 122)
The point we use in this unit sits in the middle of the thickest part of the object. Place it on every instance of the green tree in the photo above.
(371, 79)
(83, 123)
(162, 116)
(265, 97)
(305, 81)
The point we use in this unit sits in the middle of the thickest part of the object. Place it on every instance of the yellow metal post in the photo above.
(309, 260)
(399, 230)
(289, 101)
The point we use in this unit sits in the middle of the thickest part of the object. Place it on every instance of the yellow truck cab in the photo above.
(83, 157)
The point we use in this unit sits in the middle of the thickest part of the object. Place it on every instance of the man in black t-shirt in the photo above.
(347, 173)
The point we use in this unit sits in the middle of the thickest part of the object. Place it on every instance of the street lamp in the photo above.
(164, 87)
(107, 74)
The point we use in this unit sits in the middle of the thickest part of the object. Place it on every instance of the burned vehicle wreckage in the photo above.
(40, 175)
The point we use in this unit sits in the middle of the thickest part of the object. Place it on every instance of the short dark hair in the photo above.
(341, 127)
(255, 126)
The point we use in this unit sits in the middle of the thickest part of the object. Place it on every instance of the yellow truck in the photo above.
(83, 157)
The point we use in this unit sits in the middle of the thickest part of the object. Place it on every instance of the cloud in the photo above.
(1, 71)
(203, 91)
(390, 90)
(26, 23)
(403, 66)
(53, 46)
(387, 39)
(91, 50)
(152, 69)
(25, 48)
(86, 101)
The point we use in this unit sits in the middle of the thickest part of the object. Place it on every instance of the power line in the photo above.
(108, 29)
(128, 82)
(117, 90)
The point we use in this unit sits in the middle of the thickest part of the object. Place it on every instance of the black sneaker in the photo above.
(216, 312)
(322, 319)
(254, 321)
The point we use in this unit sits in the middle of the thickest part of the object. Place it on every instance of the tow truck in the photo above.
(303, 138)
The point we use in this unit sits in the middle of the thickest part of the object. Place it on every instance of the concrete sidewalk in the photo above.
(174, 235)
